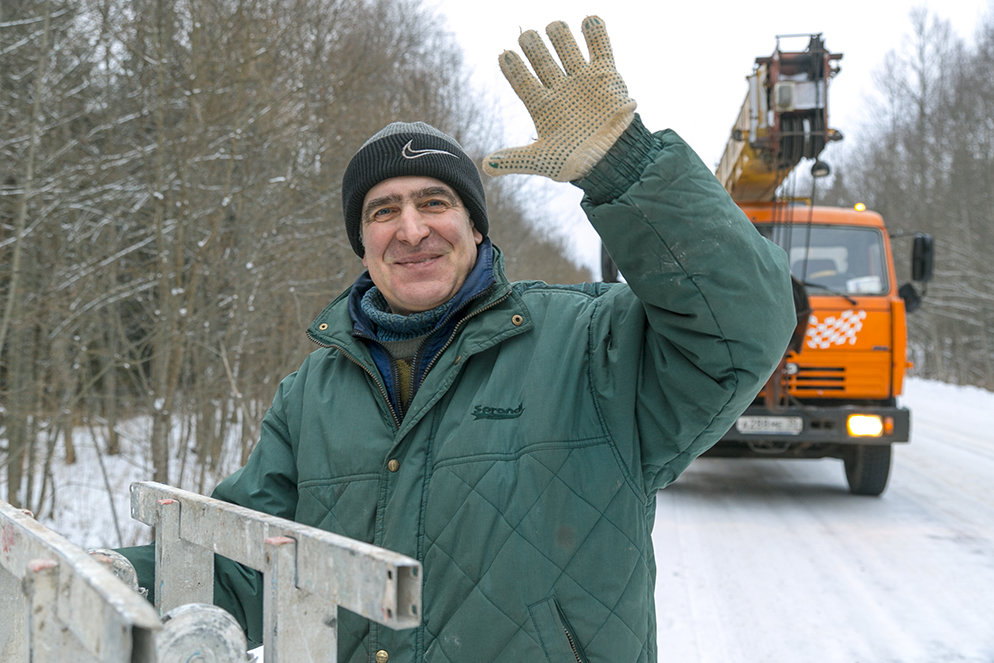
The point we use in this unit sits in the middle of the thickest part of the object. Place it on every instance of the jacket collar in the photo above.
(334, 328)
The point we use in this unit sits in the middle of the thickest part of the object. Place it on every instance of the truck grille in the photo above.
(817, 379)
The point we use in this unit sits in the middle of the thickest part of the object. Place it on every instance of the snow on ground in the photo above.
(773, 560)
(91, 505)
(762, 560)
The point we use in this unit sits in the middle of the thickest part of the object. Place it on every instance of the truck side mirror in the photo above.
(922, 253)
(912, 299)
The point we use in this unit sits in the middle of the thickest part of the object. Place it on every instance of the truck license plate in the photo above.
(770, 425)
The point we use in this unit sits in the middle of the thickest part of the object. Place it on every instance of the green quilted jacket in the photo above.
(528, 461)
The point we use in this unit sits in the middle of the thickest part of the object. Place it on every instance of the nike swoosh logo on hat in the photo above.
(409, 152)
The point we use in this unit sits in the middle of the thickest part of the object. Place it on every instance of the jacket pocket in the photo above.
(555, 634)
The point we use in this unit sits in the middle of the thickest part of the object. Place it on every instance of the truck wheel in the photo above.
(867, 468)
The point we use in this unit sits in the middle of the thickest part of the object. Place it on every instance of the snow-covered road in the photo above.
(774, 561)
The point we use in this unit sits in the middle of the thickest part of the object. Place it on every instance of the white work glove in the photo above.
(579, 110)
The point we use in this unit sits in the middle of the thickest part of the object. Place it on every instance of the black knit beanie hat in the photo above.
(410, 148)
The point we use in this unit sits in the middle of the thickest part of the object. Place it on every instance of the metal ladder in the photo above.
(58, 602)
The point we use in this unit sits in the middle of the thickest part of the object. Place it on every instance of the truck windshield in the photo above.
(843, 259)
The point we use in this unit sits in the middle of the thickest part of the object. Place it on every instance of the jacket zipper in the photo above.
(386, 397)
(376, 378)
(455, 330)
(572, 645)
(448, 342)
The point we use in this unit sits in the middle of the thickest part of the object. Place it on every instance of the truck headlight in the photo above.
(865, 425)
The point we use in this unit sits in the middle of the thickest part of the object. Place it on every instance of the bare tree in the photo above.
(44, 81)
(170, 209)
(928, 165)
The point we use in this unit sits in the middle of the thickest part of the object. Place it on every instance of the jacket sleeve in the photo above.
(267, 483)
(706, 314)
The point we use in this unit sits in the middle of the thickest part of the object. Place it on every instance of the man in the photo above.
(512, 436)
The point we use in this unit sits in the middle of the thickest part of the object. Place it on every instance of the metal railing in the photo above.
(61, 604)
(67, 605)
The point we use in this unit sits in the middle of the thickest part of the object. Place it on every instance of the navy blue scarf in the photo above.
(372, 321)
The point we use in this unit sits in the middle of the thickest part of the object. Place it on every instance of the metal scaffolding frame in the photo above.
(66, 604)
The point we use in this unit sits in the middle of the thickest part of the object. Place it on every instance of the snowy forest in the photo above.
(169, 206)
(170, 211)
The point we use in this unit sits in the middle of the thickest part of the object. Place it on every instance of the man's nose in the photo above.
(412, 227)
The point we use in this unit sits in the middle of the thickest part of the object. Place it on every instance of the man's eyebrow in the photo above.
(420, 194)
(379, 202)
(431, 191)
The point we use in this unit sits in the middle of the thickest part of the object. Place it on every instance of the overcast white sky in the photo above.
(685, 62)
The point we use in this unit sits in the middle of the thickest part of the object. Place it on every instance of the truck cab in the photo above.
(835, 394)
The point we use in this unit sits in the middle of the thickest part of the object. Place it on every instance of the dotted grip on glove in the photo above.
(579, 109)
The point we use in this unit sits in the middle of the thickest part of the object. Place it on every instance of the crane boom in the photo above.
(783, 119)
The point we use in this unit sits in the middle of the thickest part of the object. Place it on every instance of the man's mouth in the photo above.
(414, 261)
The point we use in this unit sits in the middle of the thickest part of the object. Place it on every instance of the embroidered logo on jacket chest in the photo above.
(489, 412)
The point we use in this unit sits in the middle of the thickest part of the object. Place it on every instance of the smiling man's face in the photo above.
(419, 242)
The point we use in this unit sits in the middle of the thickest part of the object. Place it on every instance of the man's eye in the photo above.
(380, 214)
(435, 203)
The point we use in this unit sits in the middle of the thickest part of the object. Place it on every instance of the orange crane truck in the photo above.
(835, 393)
